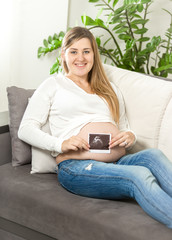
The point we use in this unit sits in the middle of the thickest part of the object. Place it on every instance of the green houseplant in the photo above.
(128, 45)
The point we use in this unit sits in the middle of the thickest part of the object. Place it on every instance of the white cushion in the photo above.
(42, 161)
(165, 136)
(146, 99)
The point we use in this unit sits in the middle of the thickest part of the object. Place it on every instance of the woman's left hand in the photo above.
(123, 139)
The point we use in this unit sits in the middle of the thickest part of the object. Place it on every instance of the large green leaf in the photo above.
(99, 22)
(88, 21)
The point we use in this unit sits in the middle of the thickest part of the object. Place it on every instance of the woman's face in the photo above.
(79, 58)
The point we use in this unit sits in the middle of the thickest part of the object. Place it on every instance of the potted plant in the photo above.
(126, 24)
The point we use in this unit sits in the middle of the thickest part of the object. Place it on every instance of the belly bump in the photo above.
(95, 127)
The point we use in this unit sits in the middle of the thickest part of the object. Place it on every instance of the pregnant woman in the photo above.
(81, 102)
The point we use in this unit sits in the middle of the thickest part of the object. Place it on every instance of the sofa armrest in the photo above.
(5, 145)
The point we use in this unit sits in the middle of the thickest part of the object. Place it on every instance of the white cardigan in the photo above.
(68, 108)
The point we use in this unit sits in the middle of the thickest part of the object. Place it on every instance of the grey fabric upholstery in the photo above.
(12, 231)
(17, 102)
(37, 201)
(5, 148)
(9, 236)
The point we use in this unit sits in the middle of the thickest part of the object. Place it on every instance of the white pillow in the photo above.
(42, 161)
(147, 106)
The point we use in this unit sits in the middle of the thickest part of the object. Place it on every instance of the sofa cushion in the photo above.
(37, 201)
(146, 99)
(23, 153)
(17, 102)
(42, 161)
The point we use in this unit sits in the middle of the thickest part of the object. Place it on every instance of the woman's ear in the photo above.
(63, 55)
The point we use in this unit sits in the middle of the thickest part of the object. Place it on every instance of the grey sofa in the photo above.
(36, 207)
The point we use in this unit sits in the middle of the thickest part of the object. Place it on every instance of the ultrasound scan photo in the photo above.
(99, 142)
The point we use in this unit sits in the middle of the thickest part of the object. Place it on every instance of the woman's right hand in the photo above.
(75, 143)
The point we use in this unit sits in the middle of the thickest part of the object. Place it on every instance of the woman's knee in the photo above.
(152, 154)
(142, 180)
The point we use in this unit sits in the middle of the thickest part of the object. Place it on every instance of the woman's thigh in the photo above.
(103, 180)
(156, 162)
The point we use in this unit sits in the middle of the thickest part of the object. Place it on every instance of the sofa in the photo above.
(34, 206)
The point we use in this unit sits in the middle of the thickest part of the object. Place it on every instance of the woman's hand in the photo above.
(74, 143)
(123, 139)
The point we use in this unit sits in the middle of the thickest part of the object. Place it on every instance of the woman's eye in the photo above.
(73, 52)
(86, 52)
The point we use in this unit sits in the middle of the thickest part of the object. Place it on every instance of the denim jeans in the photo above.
(145, 176)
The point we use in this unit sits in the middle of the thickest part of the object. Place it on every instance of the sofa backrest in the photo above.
(148, 106)
(5, 145)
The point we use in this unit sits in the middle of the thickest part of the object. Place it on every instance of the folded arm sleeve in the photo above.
(35, 117)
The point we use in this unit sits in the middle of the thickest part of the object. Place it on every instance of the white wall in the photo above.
(23, 26)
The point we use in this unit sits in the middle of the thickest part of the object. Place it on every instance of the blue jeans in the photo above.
(145, 176)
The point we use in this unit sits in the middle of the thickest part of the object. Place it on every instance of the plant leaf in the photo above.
(93, 1)
(119, 25)
(145, 1)
(40, 52)
(107, 41)
(115, 2)
(98, 41)
(162, 68)
(55, 36)
(99, 22)
(87, 21)
(136, 15)
(143, 39)
(124, 37)
(121, 30)
(99, 13)
(140, 7)
(50, 39)
(141, 31)
(45, 43)
(56, 67)
(140, 21)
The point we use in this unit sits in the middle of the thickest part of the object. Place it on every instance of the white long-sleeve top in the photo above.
(68, 108)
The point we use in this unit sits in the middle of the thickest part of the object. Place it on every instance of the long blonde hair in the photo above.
(99, 83)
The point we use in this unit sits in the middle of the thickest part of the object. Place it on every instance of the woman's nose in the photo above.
(80, 56)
